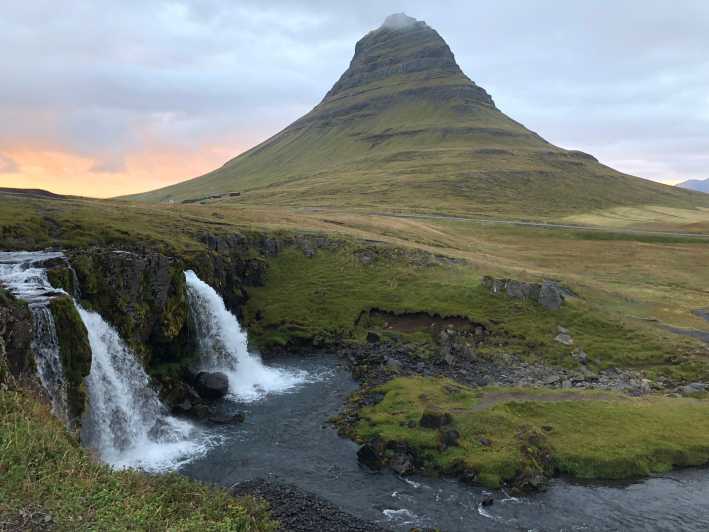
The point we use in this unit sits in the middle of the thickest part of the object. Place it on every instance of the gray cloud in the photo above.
(627, 80)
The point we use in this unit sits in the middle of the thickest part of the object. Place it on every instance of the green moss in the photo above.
(62, 278)
(44, 470)
(74, 350)
(511, 435)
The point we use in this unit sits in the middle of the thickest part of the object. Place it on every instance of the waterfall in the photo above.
(23, 275)
(223, 347)
(126, 422)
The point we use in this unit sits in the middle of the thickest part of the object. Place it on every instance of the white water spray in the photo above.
(24, 276)
(126, 422)
(223, 347)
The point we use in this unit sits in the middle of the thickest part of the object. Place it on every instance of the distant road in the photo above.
(539, 224)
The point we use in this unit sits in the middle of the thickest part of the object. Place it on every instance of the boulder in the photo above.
(434, 420)
(212, 385)
(487, 500)
(368, 456)
(564, 338)
(550, 296)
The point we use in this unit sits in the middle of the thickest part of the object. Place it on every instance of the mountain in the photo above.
(405, 128)
(700, 185)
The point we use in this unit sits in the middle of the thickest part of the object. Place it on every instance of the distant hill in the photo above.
(700, 185)
(404, 128)
(32, 192)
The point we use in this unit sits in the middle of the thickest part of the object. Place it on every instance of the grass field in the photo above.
(626, 280)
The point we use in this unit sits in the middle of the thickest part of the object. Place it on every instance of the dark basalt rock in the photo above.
(368, 455)
(211, 385)
(487, 501)
(435, 420)
(15, 337)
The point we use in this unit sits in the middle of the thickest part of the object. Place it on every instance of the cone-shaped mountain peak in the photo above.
(405, 128)
(403, 49)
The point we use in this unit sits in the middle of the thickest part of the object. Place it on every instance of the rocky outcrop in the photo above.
(211, 384)
(144, 296)
(75, 354)
(549, 294)
(16, 357)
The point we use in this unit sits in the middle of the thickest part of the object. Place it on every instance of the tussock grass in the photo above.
(47, 476)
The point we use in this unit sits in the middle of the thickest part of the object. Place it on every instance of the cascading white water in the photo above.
(223, 347)
(23, 275)
(126, 422)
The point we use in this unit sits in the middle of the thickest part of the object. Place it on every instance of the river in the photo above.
(286, 437)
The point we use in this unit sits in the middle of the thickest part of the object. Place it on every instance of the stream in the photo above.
(286, 437)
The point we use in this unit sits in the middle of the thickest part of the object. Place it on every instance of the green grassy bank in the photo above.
(508, 436)
(48, 481)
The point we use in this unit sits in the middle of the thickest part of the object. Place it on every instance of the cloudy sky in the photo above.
(102, 98)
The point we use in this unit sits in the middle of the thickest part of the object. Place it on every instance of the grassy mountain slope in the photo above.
(405, 128)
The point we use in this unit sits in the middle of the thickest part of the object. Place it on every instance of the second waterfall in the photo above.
(223, 347)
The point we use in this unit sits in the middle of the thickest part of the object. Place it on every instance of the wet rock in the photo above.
(434, 420)
(487, 501)
(227, 419)
(402, 463)
(368, 456)
(201, 411)
(550, 296)
(212, 385)
(184, 407)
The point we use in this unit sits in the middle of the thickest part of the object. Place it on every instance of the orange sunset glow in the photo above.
(63, 172)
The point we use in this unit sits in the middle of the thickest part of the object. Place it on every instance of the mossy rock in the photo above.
(16, 358)
(75, 352)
